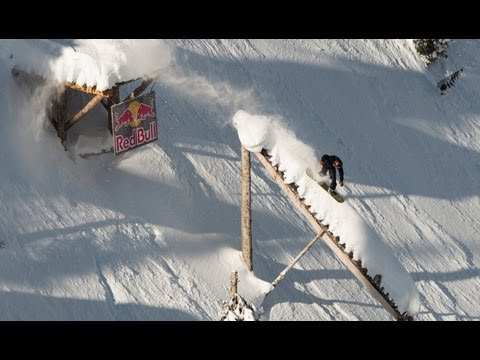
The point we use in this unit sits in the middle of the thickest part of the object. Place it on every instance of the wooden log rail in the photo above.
(332, 241)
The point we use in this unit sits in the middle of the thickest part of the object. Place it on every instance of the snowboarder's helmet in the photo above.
(337, 163)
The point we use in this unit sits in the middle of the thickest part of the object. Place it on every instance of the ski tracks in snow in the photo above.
(450, 253)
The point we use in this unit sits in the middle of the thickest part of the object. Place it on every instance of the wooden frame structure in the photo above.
(373, 285)
(58, 114)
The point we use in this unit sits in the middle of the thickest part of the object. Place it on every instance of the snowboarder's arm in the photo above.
(340, 171)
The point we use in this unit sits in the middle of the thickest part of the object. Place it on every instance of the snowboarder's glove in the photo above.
(341, 183)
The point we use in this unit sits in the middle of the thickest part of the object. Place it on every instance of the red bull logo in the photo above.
(134, 123)
(133, 115)
(139, 136)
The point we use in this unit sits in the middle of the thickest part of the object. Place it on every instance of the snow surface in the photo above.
(154, 233)
(91, 145)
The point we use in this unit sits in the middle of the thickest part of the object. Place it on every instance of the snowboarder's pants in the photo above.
(333, 176)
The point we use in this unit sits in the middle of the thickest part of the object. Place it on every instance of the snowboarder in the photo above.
(332, 163)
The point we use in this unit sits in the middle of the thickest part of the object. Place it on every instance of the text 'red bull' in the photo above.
(139, 137)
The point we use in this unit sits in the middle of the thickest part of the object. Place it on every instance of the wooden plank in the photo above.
(105, 104)
(38, 79)
(233, 284)
(58, 114)
(141, 88)
(246, 215)
(327, 236)
(118, 84)
(112, 100)
(78, 116)
(62, 118)
(90, 154)
(89, 89)
(281, 276)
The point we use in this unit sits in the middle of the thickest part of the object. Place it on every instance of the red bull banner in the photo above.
(134, 123)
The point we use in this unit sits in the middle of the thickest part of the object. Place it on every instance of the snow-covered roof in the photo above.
(99, 63)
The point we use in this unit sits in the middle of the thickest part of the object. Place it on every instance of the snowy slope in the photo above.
(153, 234)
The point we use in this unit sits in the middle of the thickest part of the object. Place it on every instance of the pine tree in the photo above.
(238, 309)
(431, 49)
(449, 81)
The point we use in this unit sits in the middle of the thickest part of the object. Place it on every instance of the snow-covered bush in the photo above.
(431, 49)
(238, 309)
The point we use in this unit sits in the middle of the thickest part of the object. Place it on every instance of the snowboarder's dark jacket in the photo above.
(328, 161)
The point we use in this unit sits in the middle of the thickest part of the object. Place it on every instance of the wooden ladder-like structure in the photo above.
(332, 241)
(58, 113)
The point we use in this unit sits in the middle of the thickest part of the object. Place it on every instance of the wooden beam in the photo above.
(141, 88)
(233, 284)
(112, 100)
(281, 276)
(327, 236)
(118, 84)
(58, 114)
(38, 79)
(105, 104)
(78, 116)
(246, 216)
(89, 89)
(62, 118)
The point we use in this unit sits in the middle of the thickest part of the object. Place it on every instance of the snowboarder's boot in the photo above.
(331, 191)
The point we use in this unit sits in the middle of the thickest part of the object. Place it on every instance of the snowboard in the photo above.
(325, 187)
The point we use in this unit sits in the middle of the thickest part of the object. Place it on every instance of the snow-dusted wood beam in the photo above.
(89, 89)
(281, 276)
(87, 108)
(332, 241)
(139, 90)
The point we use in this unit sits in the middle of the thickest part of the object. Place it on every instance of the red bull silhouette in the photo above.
(134, 115)
(123, 120)
(144, 111)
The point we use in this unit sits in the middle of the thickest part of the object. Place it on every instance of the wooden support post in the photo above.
(281, 276)
(233, 284)
(78, 116)
(112, 100)
(105, 104)
(58, 115)
(62, 118)
(246, 219)
(141, 88)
